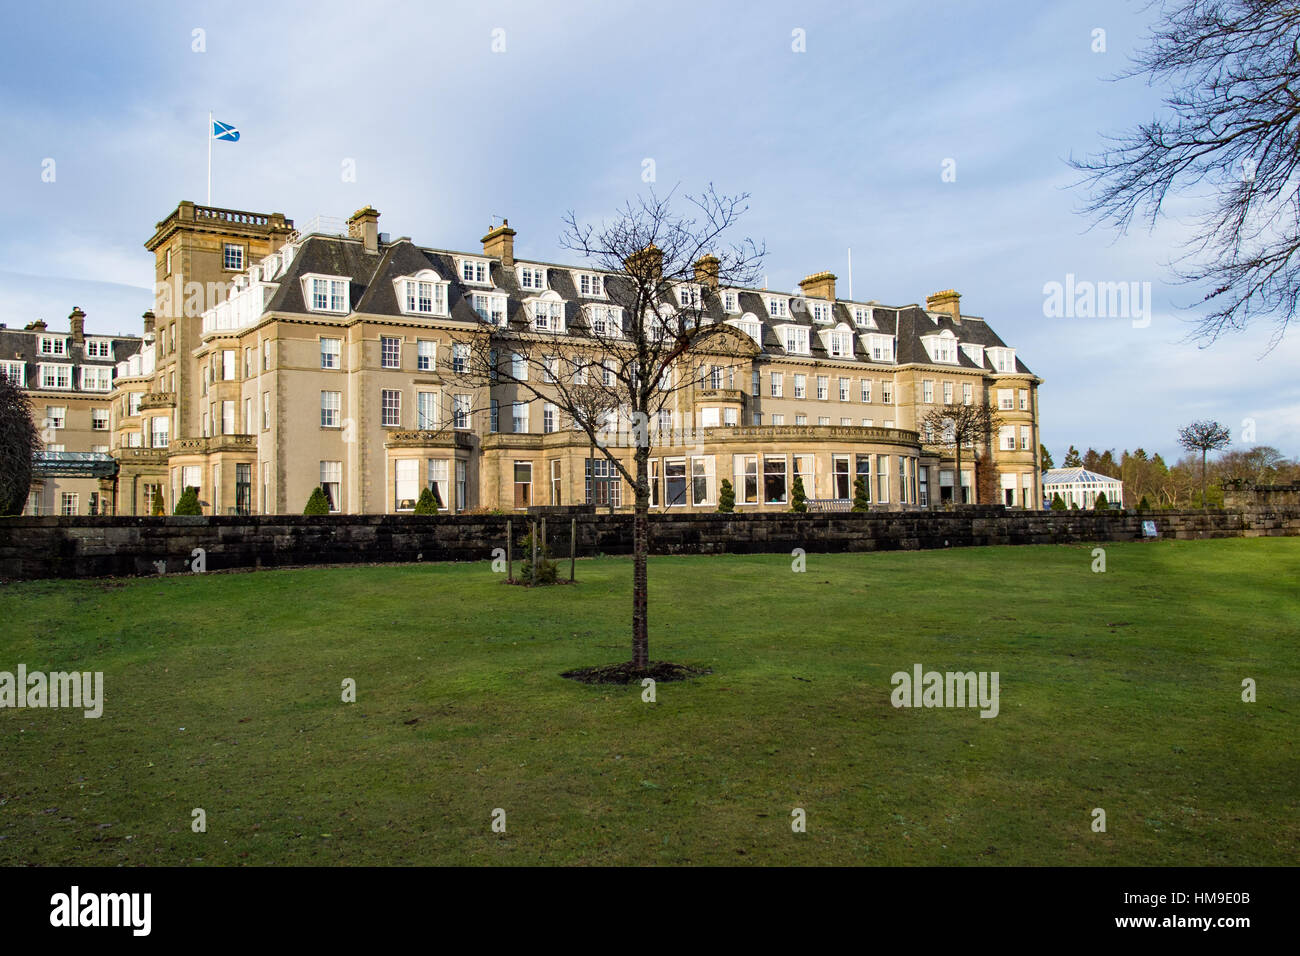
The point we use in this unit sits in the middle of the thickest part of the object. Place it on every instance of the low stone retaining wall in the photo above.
(56, 547)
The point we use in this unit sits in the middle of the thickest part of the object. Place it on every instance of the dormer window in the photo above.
(1003, 359)
(424, 293)
(838, 345)
(730, 300)
(794, 338)
(942, 347)
(821, 312)
(778, 308)
(53, 345)
(269, 267)
(605, 320)
(475, 271)
(325, 293)
(548, 314)
(975, 353)
(688, 295)
(532, 277)
(864, 317)
(591, 285)
(879, 347)
(99, 348)
(750, 325)
(491, 307)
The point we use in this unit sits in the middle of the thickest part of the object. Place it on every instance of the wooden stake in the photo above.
(573, 546)
(510, 552)
(532, 577)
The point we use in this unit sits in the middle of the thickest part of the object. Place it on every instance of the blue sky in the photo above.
(839, 146)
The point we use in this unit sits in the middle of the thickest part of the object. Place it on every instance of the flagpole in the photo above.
(209, 157)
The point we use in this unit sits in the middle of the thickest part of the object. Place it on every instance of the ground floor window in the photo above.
(840, 486)
(654, 482)
(805, 469)
(243, 489)
(774, 479)
(864, 472)
(437, 481)
(68, 503)
(523, 484)
(923, 477)
(191, 477)
(603, 485)
(460, 485)
(406, 483)
(746, 472)
(701, 480)
(151, 492)
(674, 481)
(882, 478)
(331, 482)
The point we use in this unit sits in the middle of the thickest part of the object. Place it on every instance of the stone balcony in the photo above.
(157, 400)
(203, 446)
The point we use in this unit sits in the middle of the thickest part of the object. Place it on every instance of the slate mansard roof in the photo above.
(23, 345)
(373, 276)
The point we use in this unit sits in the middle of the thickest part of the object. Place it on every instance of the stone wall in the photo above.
(53, 547)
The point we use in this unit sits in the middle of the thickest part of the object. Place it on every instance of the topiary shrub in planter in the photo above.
(1058, 503)
(189, 503)
(157, 507)
(861, 500)
(798, 500)
(726, 497)
(428, 504)
(1101, 504)
(318, 503)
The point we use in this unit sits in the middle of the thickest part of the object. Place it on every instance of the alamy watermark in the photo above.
(1084, 299)
(68, 689)
(954, 689)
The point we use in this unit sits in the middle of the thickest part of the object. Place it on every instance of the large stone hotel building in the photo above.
(279, 360)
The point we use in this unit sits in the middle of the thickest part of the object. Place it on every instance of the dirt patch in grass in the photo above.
(626, 673)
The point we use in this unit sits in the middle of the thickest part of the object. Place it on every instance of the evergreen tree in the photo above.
(189, 503)
(1144, 505)
(428, 504)
(726, 497)
(861, 499)
(20, 440)
(1058, 503)
(1046, 457)
(318, 503)
(798, 500)
(157, 507)
(1101, 504)
(1072, 459)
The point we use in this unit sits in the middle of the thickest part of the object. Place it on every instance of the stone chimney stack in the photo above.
(819, 285)
(148, 322)
(500, 243)
(364, 225)
(77, 322)
(706, 271)
(648, 263)
(948, 301)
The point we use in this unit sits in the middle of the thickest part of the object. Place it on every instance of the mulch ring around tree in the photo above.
(626, 673)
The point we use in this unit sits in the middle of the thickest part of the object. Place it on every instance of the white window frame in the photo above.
(337, 291)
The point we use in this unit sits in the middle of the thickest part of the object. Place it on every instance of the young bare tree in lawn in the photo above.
(955, 426)
(1204, 437)
(611, 364)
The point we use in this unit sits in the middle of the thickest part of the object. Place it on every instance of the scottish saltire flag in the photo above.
(225, 131)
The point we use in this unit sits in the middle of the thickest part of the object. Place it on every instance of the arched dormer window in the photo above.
(424, 293)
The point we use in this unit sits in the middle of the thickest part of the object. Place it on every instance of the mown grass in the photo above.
(1119, 690)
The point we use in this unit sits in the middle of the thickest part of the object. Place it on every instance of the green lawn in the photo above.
(1119, 690)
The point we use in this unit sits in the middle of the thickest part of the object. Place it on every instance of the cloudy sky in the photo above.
(452, 113)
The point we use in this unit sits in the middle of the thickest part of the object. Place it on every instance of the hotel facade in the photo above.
(278, 360)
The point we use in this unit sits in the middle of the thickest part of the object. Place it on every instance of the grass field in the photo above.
(1119, 690)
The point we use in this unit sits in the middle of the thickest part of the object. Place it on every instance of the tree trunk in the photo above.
(640, 547)
(1204, 504)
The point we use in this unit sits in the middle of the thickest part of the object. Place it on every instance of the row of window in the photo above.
(58, 345)
(94, 378)
(776, 387)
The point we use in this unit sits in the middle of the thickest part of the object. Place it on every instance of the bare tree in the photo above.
(617, 360)
(1204, 437)
(19, 442)
(1228, 128)
(956, 426)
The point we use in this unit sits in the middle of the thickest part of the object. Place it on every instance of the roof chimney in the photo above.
(364, 225)
(706, 270)
(148, 322)
(646, 264)
(500, 242)
(948, 301)
(37, 326)
(819, 285)
(77, 322)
